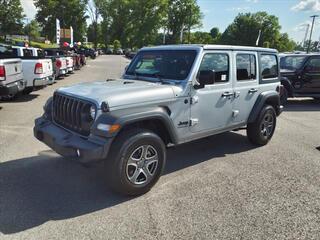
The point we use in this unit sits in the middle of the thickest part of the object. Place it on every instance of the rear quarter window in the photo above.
(269, 66)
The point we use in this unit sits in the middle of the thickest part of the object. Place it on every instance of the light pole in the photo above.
(313, 18)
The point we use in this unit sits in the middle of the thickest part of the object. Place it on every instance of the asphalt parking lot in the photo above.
(220, 187)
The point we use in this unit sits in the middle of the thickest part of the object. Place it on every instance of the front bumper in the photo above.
(71, 145)
(12, 88)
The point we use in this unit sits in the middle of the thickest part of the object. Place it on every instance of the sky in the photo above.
(294, 15)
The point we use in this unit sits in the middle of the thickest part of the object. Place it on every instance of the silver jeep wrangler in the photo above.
(167, 96)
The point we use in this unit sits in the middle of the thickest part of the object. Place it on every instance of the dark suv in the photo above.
(300, 75)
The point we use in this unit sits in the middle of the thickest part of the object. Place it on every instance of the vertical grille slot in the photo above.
(72, 113)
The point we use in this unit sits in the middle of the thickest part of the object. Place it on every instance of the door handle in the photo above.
(253, 90)
(227, 94)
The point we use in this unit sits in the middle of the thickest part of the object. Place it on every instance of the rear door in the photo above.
(246, 84)
(311, 76)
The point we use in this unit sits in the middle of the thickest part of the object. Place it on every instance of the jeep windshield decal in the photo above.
(167, 64)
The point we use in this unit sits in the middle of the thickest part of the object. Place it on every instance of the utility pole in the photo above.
(306, 35)
(313, 18)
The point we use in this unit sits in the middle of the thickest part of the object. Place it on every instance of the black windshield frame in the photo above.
(170, 64)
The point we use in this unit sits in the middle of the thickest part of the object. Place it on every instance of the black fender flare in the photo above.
(270, 97)
(130, 116)
(285, 82)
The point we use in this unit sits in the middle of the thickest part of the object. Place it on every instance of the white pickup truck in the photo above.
(11, 75)
(59, 61)
(37, 71)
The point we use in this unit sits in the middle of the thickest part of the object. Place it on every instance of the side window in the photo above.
(246, 67)
(218, 63)
(27, 52)
(313, 65)
(269, 66)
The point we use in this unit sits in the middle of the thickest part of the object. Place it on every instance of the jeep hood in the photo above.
(122, 92)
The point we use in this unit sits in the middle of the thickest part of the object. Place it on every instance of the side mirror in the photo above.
(206, 77)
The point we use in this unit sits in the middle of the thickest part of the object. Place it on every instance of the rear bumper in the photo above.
(70, 69)
(71, 145)
(62, 72)
(38, 82)
(12, 88)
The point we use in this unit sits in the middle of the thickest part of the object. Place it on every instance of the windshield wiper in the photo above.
(158, 76)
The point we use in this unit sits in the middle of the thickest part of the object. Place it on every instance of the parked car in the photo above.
(168, 95)
(82, 54)
(109, 51)
(300, 75)
(131, 54)
(11, 74)
(89, 52)
(37, 71)
(118, 51)
(59, 61)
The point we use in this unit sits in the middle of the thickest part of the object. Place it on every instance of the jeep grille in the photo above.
(72, 113)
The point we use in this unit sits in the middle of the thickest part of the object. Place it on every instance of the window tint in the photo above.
(313, 65)
(291, 62)
(27, 53)
(40, 53)
(269, 66)
(6, 51)
(218, 63)
(246, 67)
(167, 64)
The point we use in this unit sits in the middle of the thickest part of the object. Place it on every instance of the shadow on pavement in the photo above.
(21, 98)
(302, 105)
(47, 187)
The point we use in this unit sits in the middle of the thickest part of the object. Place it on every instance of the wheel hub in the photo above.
(142, 165)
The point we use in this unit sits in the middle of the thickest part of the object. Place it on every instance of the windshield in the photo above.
(167, 64)
(291, 62)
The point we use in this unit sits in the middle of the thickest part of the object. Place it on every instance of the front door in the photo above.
(311, 76)
(211, 107)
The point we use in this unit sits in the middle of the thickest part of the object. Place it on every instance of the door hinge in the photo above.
(194, 100)
(235, 113)
(194, 121)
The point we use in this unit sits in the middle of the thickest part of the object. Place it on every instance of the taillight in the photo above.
(58, 63)
(38, 69)
(2, 73)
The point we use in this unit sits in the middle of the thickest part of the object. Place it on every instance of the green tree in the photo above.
(214, 32)
(134, 22)
(11, 16)
(183, 15)
(69, 12)
(245, 29)
(94, 13)
(32, 29)
(116, 44)
(285, 44)
(94, 34)
(201, 38)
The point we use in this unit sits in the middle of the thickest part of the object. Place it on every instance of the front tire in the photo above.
(261, 131)
(136, 161)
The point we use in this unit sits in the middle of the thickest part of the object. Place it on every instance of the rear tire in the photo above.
(27, 90)
(261, 131)
(136, 161)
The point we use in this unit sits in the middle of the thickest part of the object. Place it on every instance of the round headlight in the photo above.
(93, 112)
